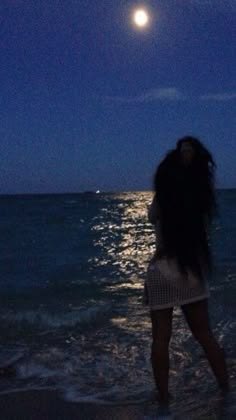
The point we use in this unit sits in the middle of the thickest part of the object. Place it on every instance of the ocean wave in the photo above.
(44, 319)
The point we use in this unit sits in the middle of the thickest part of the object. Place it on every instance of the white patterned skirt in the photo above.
(166, 287)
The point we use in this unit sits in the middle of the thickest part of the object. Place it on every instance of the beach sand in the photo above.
(48, 405)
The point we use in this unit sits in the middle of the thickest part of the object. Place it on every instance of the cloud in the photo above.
(221, 97)
(170, 94)
(152, 95)
(226, 5)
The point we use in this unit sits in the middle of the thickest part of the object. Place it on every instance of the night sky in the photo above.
(89, 101)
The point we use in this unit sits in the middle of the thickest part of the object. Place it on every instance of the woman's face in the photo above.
(187, 153)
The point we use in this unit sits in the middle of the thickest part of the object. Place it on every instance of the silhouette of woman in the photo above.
(181, 211)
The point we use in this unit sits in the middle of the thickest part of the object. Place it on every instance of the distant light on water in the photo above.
(98, 192)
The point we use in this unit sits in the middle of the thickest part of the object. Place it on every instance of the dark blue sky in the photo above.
(88, 101)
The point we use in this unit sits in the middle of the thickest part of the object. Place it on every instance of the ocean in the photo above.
(72, 268)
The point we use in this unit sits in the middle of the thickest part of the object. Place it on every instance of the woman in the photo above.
(182, 209)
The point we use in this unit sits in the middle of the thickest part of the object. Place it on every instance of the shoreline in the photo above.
(49, 405)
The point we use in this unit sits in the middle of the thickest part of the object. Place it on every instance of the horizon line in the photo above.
(91, 192)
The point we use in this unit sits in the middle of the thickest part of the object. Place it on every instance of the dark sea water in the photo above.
(71, 276)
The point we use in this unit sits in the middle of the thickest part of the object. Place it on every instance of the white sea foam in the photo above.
(44, 319)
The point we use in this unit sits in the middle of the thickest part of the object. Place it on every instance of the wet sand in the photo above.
(48, 405)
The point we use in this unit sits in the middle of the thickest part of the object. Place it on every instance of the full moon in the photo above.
(141, 18)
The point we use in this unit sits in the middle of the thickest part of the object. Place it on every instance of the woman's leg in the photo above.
(161, 334)
(196, 315)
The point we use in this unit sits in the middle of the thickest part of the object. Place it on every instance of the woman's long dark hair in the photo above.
(186, 200)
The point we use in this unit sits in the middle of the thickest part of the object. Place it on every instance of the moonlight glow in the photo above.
(141, 18)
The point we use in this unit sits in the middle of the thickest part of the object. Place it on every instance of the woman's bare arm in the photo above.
(153, 211)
